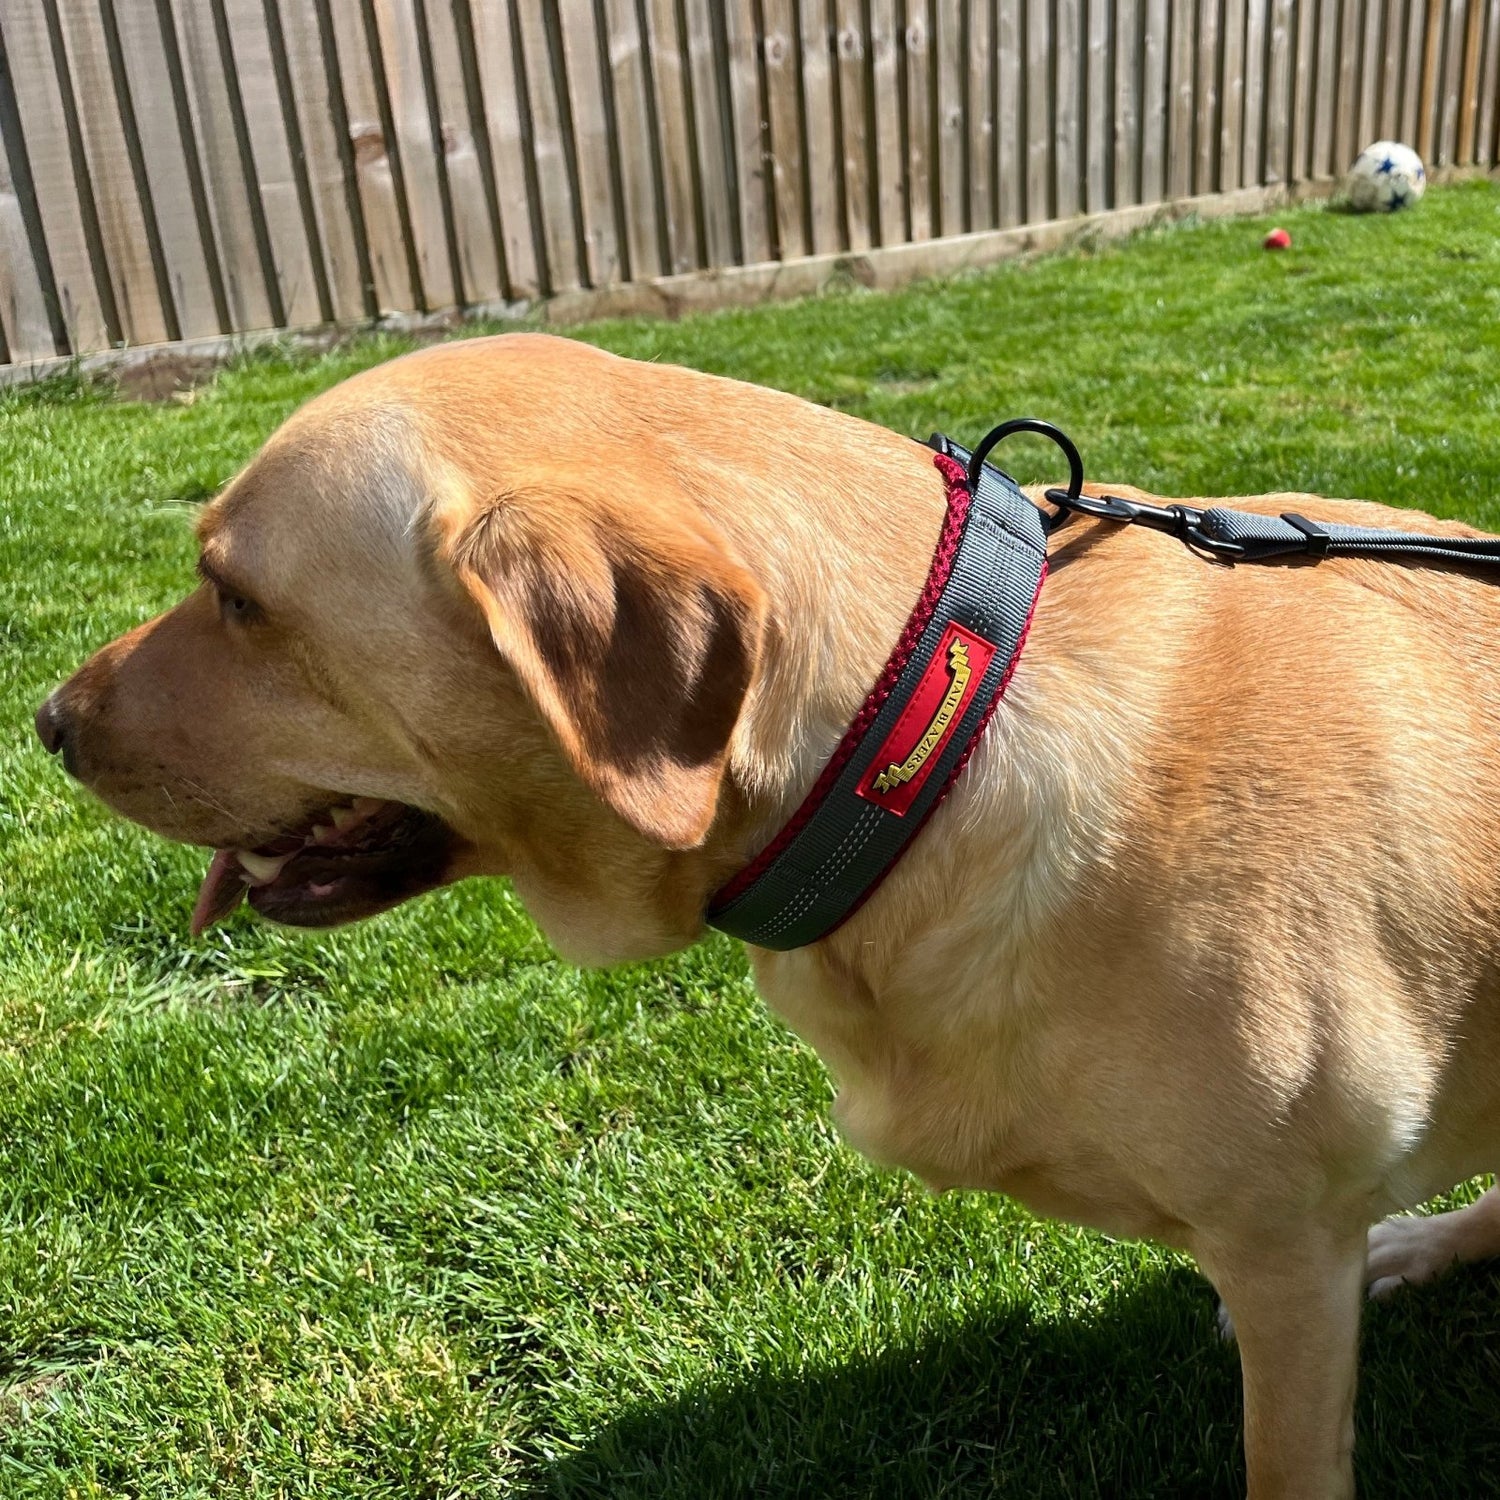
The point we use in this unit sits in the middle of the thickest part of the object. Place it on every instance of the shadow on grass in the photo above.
(1142, 1400)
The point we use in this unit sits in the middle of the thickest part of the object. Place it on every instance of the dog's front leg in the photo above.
(1295, 1301)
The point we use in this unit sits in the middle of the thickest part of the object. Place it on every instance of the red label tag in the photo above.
(930, 719)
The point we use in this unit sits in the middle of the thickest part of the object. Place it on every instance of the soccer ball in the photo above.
(1386, 176)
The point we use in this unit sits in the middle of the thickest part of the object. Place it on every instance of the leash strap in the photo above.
(1259, 538)
(917, 728)
(1241, 535)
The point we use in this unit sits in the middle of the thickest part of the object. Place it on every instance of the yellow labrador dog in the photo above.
(1204, 944)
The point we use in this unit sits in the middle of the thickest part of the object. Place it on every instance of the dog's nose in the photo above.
(51, 727)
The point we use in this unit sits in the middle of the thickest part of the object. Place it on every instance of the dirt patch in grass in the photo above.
(162, 376)
(16, 1400)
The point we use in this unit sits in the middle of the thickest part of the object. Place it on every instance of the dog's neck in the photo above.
(846, 560)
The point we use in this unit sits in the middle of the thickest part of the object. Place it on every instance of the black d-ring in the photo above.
(1044, 429)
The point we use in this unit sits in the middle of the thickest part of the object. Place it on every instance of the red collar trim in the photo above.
(959, 502)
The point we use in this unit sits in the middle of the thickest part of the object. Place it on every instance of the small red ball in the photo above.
(1278, 239)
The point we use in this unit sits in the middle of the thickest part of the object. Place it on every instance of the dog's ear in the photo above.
(636, 635)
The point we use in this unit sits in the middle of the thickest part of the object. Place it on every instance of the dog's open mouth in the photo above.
(352, 861)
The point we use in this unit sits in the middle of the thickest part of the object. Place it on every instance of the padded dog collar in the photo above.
(918, 726)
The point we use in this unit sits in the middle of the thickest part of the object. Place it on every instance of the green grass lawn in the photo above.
(416, 1209)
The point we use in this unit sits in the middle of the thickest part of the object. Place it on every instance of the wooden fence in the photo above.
(181, 168)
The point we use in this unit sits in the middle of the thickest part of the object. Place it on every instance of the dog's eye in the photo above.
(232, 606)
(236, 607)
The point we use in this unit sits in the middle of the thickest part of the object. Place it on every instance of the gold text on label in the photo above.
(958, 665)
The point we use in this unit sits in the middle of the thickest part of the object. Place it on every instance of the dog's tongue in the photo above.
(222, 890)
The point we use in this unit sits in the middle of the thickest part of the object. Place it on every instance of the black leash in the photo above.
(1235, 535)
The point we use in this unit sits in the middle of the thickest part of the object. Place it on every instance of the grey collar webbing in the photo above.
(916, 729)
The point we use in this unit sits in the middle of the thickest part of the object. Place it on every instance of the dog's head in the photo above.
(441, 629)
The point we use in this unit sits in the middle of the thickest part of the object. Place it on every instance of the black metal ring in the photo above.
(1043, 429)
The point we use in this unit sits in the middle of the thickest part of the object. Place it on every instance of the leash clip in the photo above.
(1185, 522)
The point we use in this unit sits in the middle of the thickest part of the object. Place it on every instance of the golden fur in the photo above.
(1202, 946)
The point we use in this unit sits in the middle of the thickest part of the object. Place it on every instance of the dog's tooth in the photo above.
(324, 833)
(263, 867)
(343, 817)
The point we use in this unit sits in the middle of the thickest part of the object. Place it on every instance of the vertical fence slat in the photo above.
(563, 253)
(706, 79)
(397, 29)
(1452, 84)
(1180, 134)
(1010, 119)
(24, 320)
(173, 73)
(32, 298)
(1414, 69)
(1244, 77)
(475, 242)
(191, 275)
(627, 64)
(1097, 88)
(1372, 51)
(1346, 121)
(885, 117)
(296, 276)
(390, 258)
(784, 115)
(1302, 93)
(1487, 151)
(1067, 57)
(670, 85)
(233, 200)
(40, 105)
(920, 166)
(1441, 106)
(395, 271)
(1388, 122)
(1325, 92)
(495, 60)
(25, 331)
(885, 113)
(301, 184)
(1155, 83)
(951, 68)
(1257, 104)
(128, 259)
(591, 140)
(821, 168)
(1412, 62)
(756, 217)
(1468, 103)
(1040, 203)
(1272, 119)
(981, 110)
(857, 149)
(1206, 124)
(325, 167)
(1428, 102)
(1127, 103)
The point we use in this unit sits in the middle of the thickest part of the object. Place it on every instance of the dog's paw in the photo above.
(1407, 1250)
